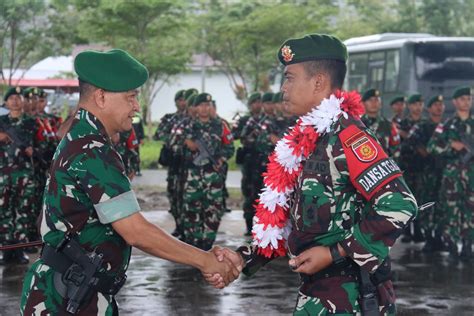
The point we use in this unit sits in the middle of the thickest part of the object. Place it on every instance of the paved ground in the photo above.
(426, 284)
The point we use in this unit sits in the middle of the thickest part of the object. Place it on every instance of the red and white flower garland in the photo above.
(272, 224)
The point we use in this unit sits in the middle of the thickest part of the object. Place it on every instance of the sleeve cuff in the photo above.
(118, 207)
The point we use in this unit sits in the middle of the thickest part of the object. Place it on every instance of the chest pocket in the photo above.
(312, 209)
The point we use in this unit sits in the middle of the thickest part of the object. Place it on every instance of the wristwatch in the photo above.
(336, 256)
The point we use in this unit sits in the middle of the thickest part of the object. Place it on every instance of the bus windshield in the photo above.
(443, 61)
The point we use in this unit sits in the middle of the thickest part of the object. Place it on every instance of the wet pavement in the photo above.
(426, 284)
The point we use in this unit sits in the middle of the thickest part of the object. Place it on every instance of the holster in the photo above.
(78, 273)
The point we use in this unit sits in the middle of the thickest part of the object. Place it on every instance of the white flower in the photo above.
(271, 198)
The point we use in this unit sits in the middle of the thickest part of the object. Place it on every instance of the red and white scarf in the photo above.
(272, 224)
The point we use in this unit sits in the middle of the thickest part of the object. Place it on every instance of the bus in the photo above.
(405, 63)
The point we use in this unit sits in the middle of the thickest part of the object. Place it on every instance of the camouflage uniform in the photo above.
(17, 185)
(386, 133)
(87, 190)
(457, 185)
(252, 180)
(127, 148)
(364, 215)
(170, 132)
(203, 190)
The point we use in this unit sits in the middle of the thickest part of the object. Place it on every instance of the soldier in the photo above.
(345, 197)
(246, 130)
(385, 131)
(91, 217)
(408, 163)
(397, 104)
(430, 171)
(126, 144)
(268, 133)
(17, 178)
(208, 146)
(172, 159)
(455, 141)
(140, 135)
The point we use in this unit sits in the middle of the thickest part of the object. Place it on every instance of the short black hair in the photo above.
(85, 90)
(336, 69)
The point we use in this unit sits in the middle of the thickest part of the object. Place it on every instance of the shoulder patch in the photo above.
(369, 166)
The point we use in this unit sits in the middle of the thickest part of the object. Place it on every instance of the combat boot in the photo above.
(21, 257)
(466, 252)
(6, 257)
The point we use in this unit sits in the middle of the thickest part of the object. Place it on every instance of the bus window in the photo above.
(392, 68)
(438, 62)
(376, 70)
(357, 79)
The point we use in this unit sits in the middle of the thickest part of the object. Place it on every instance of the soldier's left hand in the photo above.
(29, 151)
(312, 260)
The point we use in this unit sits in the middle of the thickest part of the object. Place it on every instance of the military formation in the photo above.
(435, 155)
(28, 139)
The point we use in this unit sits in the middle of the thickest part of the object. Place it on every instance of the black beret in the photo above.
(267, 97)
(256, 96)
(416, 97)
(12, 91)
(398, 98)
(436, 98)
(460, 91)
(179, 94)
(370, 93)
(202, 97)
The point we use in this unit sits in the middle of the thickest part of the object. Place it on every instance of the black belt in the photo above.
(346, 268)
(61, 263)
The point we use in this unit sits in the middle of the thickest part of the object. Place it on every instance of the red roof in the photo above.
(46, 83)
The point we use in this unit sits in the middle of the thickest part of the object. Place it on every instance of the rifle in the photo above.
(469, 145)
(17, 141)
(205, 154)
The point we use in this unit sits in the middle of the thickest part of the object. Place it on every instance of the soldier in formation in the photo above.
(453, 140)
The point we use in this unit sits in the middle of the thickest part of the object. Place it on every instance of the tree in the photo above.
(244, 36)
(27, 26)
(154, 31)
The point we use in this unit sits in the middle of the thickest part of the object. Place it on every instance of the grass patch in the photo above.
(150, 151)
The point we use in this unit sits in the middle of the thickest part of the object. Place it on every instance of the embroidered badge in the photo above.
(364, 149)
(287, 53)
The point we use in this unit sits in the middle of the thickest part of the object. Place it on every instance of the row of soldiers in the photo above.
(436, 158)
(258, 132)
(28, 139)
(197, 145)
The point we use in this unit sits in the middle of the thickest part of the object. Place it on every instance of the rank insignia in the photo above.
(287, 53)
(364, 149)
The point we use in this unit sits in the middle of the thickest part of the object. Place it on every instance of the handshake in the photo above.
(223, 266)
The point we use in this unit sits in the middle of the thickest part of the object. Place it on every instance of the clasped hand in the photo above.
(231, 263)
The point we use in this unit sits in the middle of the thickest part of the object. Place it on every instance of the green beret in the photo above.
(398, 98)
(29, 92)
(190, 100)
(256, 96)
(277, 97)
(115, 70)
(312, 47)
(190, 92)
(12, 91)
(415, 98)
(370, 93)
(459, 92)
(179, 95)
(41, 93)
(267, 97)
(202, 97)
(436, 98)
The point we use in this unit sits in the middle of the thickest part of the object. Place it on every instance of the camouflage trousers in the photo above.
(457, 202)
(175, 179)
(251, 184)
(40, 297)
(339, 296)
(40, 182)
(17, 189)
(429, 192)
(202, 206)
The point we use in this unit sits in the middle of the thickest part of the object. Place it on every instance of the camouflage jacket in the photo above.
(263, 143)
(417, 141)
(386, 133)
(13, 154)
(177, 134)
(127, 149)
(250, 131)
(453, 129)
(239, 125)
(283, 123)
(86, 191)
(364, 212)
(163, 132)
(214, 135)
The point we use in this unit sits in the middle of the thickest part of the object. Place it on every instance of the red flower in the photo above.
(352, 103)
(269, 252)
(277, 218)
